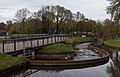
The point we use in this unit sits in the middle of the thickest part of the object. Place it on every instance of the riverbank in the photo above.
(112, 43)
(65, 46)
(9, 63)
(81, 39)
(7, 60)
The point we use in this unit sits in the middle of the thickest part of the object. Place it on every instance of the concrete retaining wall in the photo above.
(10, 68)
(54, 56)
(104, 58)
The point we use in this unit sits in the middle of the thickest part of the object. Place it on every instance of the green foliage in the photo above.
(113, 9)
(51, 19)
(3, 26)
(80, 39)
(57, 48)
(69, 41)
(76, 40)
(66, 46)
(112, 42)
(7, 60)
(86, 26)
(107, 29)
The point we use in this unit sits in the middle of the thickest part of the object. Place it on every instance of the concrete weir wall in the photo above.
(54, 56)
(104, 57)
(102, 53)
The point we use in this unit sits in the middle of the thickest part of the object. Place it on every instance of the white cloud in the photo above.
(3, 19)
(94, 9)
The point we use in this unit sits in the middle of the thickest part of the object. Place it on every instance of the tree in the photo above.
(50, 19)
(51, 15)
(9, 24)
(79, 19)
(2, 25)
(21, 16)
(37, 18)
(106, 29)
(61, 15)
(109, 28)
(45, 24)
(114, 10)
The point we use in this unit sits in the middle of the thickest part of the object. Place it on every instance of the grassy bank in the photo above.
(81, 39)
(57, 48)
(76, 40)
(112, 42)
(66, 46)
(7, 60)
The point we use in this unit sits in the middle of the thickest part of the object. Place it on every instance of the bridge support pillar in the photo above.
(33, 55)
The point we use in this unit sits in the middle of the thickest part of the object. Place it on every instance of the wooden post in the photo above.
(47, 40)
(60, 38)
(23, 48)
(14, 45)
(31, 43)
(43, 41)
(37, 42)
(51, 40)
(54, 39)
(3, 47)
(33, 55)
(57, 38)
(63, 38)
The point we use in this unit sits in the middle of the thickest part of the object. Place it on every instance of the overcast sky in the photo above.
(93, 9)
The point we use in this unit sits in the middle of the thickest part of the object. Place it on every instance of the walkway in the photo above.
(17, 44)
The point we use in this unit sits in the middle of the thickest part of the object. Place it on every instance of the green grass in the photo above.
(81, 39)
(57, 48)
(67, 46)
(112, 42)
(7, 60)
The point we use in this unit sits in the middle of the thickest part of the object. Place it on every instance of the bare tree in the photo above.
(22, 15)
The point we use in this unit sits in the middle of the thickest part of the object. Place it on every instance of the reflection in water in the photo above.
(114, 69)
(21, 73)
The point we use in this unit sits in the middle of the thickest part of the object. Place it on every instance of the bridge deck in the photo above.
(11, 45)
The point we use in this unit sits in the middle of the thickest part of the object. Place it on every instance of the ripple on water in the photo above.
(85, 53)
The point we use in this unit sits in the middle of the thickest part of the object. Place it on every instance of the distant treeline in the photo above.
(57, 19)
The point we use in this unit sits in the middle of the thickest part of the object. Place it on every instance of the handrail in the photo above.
(34, 37)
(14, 44)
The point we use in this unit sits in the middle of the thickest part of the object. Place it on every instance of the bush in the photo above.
(69, 41)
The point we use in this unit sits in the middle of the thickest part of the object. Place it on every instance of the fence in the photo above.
(15, 44)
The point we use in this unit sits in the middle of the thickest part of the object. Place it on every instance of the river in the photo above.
(110, 69)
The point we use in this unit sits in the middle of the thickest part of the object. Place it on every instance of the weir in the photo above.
(89, 56)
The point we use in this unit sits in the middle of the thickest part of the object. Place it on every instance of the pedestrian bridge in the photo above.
(15, 46)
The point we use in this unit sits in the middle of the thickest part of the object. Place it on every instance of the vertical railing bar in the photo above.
(3, 47)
